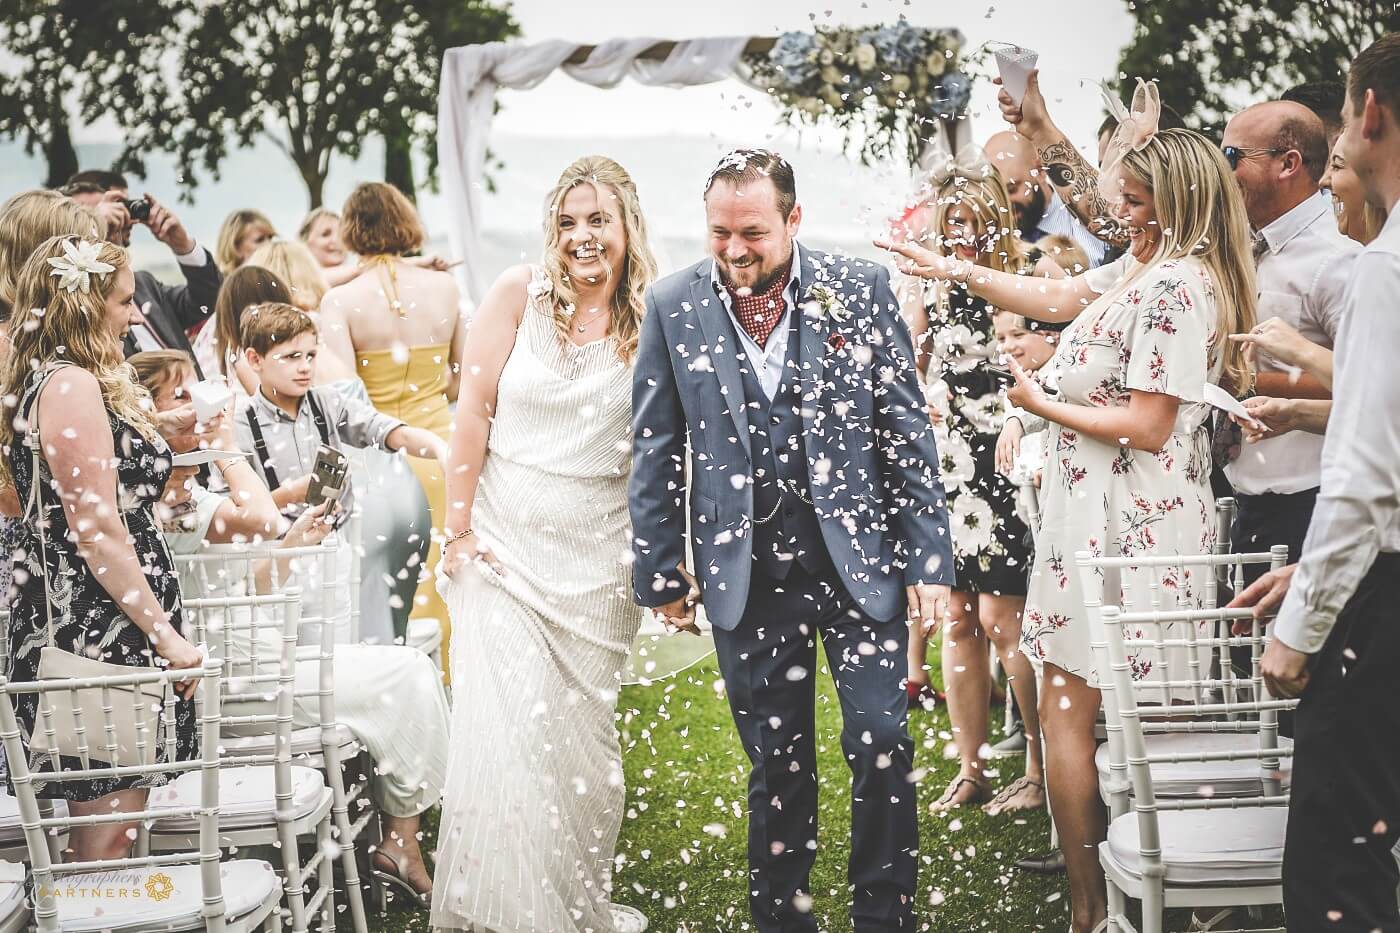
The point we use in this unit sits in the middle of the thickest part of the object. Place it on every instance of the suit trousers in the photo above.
(769, 663)
(1265, 520)
(1339, 872)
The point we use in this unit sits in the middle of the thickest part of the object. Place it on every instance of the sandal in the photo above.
(946, 802)
(399, 885)
(998, 804)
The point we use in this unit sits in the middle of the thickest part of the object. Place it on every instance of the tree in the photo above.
(317, 77)
(1200, 50)
(63, 53)
(447, 25)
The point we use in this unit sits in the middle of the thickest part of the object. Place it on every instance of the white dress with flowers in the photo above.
(1154, 335)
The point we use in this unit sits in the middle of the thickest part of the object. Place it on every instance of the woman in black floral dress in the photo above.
(101, 566)
(971, 219)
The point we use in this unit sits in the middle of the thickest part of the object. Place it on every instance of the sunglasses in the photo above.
(1233, 153)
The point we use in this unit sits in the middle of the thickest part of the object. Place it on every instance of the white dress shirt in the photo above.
(1058, 220)
(1303, 274)
(770, 357)
(1358, 509)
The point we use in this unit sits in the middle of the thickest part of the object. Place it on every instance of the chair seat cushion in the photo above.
(247, 797)
(11, 833)
(423, 634)
(1241, 778)
(306, 742)
(1206, 847)
(160, 898)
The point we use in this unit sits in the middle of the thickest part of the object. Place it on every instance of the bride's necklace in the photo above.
(582, 327)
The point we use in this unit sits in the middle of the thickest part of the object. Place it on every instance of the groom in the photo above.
(815, 507)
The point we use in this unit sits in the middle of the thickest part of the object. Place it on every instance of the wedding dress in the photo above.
(534, 788)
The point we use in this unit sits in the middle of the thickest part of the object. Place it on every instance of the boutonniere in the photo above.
(836, 341)
(828, 304)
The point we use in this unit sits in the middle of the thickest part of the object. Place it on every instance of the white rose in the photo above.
(936, 64)
(832, 97)
(811, 105)
(832, 75)
(864, 57)
(900, 84)
(826, 57)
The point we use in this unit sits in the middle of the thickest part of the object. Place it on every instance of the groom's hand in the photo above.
(928, 605)
(679, 614)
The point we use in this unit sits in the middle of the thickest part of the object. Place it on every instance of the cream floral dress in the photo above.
(1152, 332)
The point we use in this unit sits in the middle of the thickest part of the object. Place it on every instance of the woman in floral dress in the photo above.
(91, 554)
(970, 213)
(1127, 460)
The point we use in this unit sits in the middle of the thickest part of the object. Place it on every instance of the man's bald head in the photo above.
(1283, 154)
(1016, 160)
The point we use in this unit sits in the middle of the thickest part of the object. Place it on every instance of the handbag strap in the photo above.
(35, 505)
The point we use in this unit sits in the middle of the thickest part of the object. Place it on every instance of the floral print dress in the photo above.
(87, 621)
(989, 538)
(1152, 333)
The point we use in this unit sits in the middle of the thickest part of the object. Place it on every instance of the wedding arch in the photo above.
(897, 85)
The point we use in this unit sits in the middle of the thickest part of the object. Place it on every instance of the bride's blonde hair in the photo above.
(1200, 212)
(55, 325)
(638, 265)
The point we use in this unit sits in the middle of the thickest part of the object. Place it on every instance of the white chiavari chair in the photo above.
(1196, 768)
(14, 910)
(328, 746)
(186, 890)
(12, 846)
(267, 801)
(1190, 663)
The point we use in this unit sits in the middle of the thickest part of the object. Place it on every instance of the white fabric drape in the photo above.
(472, 74)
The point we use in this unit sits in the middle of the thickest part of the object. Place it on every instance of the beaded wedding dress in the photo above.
(534, 786)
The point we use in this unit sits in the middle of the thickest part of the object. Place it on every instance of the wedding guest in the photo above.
(390, 697)
(1335, 640)
(1038, 208)
(1323, 98)
(536, 576)
(1020, 450)
(991, 557)
(1128, 445)
(320, 231)
(1278, 151)
(401, 326)
(95, 578)
(293, 263)
(1065, 253)
(1357, 217)
(218, 349)
(28, 219)
(242, 232)
(170, 313)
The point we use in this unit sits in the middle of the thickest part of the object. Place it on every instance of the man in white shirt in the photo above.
(1337, 636)
(1278, 151)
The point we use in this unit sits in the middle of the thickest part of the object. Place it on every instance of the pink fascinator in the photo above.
(1136, 127)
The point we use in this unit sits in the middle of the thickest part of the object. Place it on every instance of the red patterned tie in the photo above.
(760, 313)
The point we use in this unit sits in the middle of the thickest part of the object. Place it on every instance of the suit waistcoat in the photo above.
(786, 527)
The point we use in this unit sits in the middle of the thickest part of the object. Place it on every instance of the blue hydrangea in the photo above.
(792, 57)
(951, 94)
(900, 46)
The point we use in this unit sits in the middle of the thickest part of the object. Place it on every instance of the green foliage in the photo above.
(1202, 50)
(63, 50)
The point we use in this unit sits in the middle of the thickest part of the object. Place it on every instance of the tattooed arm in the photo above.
(1077, 183)
(1073, 178)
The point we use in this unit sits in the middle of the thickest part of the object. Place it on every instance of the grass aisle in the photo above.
(683, 838)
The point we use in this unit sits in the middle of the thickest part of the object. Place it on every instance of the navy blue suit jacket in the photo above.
(871, 459)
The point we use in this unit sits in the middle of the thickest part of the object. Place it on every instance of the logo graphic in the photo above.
(159, 887)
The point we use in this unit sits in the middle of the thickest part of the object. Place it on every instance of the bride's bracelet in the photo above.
(961, 270)
(457, 537)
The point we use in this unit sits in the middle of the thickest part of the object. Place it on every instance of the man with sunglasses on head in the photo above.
(1278, 150)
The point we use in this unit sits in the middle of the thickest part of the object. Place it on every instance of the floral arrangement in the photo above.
(886, 86)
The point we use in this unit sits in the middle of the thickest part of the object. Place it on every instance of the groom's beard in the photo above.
(733, 276)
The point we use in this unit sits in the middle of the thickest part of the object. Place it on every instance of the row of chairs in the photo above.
(296, 797)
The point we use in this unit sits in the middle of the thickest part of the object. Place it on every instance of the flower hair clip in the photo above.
(78, 264)
(1136, 127)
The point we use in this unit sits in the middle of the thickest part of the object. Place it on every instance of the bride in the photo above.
(535, 574)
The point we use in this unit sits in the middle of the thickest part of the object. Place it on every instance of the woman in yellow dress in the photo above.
(402, 325)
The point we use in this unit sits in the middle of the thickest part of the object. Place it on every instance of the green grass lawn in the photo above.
(684, 834)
